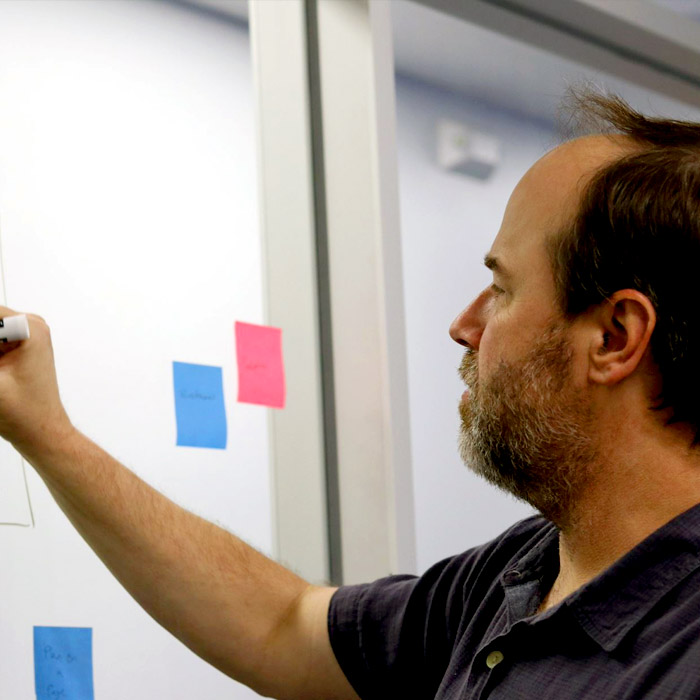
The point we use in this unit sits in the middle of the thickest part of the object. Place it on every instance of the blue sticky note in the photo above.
(63, 663)
(199, 405)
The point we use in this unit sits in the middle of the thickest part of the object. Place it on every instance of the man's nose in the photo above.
(468, 327)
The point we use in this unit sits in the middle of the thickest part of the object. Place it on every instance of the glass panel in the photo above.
(507, 93)
(129, 221)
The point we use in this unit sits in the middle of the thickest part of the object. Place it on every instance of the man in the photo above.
(582, 374)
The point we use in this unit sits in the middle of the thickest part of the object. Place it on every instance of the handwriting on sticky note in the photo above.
(196, 395)
(260, 365)
(63, 663)
(199, 405)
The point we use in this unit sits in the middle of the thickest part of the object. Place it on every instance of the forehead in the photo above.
(546, 199)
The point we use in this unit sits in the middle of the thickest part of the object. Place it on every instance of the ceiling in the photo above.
(687, 8)
(489, 66)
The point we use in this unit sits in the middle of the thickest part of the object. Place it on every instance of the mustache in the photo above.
(468, 368)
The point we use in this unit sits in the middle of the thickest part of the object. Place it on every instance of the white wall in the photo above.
(448, 222)
(128, 219)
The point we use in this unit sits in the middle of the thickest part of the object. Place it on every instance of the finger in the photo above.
(7, 311)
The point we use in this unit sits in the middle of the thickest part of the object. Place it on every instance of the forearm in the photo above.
(226, 601)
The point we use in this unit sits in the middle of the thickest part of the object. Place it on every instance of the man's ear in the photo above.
(624, 324)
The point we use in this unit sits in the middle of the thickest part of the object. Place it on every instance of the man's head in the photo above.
(591, 306)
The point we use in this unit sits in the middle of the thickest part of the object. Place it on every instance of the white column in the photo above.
(357, 111)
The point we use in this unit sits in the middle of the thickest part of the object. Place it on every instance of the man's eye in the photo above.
(497, 290)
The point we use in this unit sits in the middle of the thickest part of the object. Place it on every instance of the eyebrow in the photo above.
(495, 265)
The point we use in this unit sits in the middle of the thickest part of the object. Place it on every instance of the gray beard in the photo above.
(528, 431)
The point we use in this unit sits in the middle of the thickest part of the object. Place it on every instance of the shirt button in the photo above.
(494, 658)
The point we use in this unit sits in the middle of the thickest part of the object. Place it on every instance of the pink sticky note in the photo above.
(260, 365)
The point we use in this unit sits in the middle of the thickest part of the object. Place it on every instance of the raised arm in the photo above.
(240, 611)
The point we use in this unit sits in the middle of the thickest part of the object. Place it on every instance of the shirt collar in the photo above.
(611, 604)
(526, 577)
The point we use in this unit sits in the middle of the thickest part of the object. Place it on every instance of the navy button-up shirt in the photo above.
(469, 628)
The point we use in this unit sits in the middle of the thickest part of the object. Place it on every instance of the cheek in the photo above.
(491, 348)
(505, 338)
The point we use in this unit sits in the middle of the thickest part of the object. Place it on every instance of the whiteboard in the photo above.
(129, 220)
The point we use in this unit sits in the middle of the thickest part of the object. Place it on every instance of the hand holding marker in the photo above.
(14, 328)
(32, 416)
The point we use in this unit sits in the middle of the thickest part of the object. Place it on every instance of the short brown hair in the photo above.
(638, 227)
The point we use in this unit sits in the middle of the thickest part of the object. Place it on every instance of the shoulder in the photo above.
(446, 583)
(491, 558)
(474, 575)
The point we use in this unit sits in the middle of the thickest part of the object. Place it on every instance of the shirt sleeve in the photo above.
(393, 637)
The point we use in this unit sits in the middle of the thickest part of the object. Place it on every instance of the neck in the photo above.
(633, 494)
